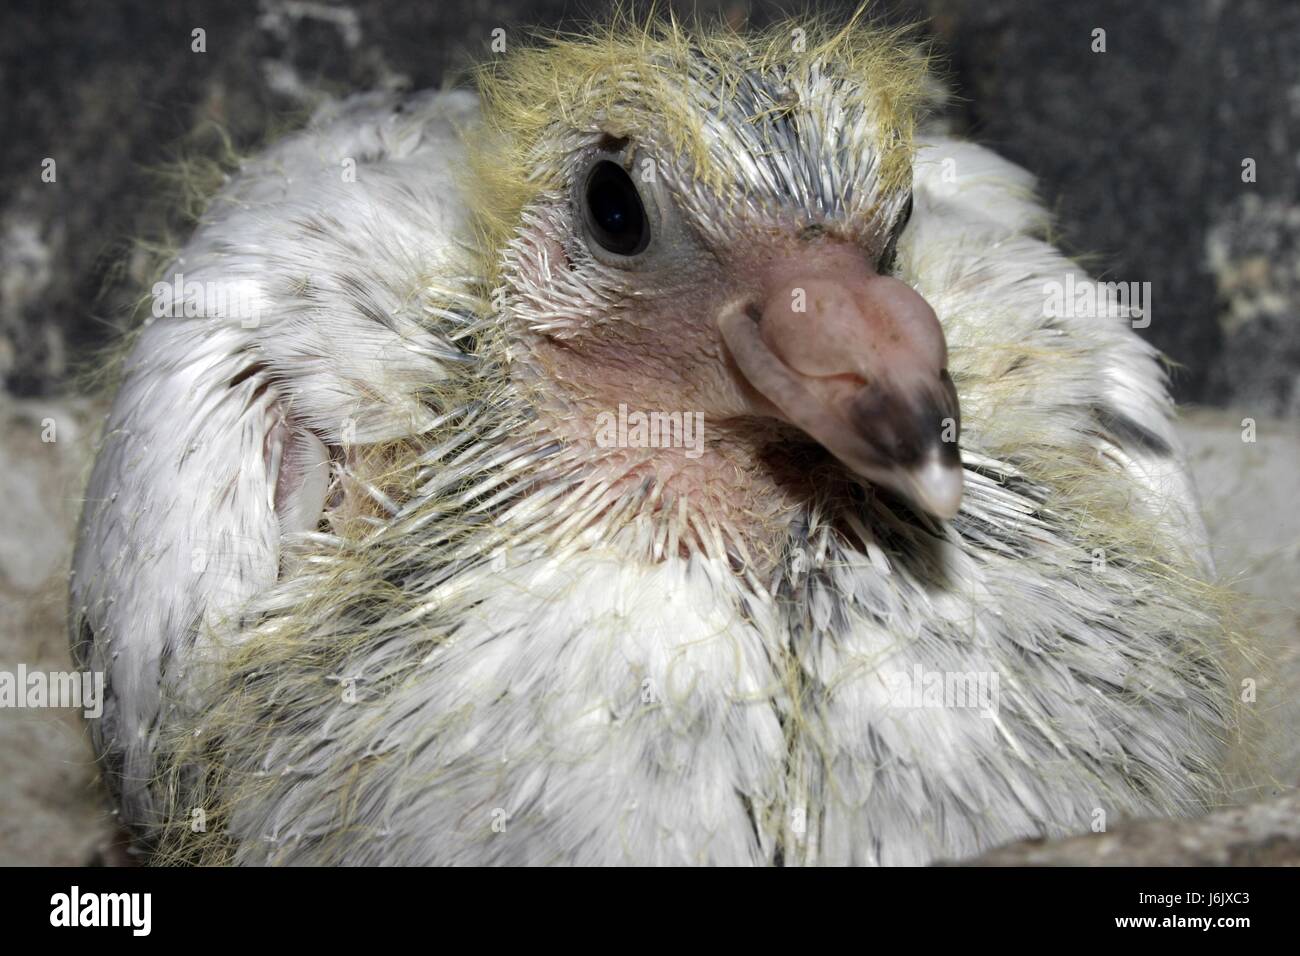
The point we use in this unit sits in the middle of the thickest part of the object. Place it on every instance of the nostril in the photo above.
(754, 312)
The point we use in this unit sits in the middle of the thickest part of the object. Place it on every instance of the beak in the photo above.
(858, 361)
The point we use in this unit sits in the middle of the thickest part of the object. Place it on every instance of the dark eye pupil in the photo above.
(614, 212)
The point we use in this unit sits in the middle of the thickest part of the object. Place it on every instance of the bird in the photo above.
(385, 565)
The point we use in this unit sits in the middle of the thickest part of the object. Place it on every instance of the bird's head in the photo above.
(708, 224)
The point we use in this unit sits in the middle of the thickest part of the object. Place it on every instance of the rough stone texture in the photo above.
(1253, 250)
(1247, 491)
(1140, 151)
(52, 811)
(1261, 834)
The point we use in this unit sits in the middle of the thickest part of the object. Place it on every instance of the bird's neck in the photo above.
(729, 488)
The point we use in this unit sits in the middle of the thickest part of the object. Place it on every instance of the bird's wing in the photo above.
(301, 323)
(986, 207)
(1010, 598)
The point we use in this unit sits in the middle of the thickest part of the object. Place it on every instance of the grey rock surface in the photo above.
(1259, 834)
(1140, 151)
(53, 813)
(1247, 490)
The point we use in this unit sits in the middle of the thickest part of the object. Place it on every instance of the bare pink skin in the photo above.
(861, 371)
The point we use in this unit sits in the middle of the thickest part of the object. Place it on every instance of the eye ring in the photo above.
(615, 215)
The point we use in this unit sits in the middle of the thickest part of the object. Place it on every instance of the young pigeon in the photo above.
(385, 566)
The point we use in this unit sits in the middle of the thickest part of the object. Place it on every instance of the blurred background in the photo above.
(1139, 151)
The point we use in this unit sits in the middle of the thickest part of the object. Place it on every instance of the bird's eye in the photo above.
(614, 213)
(890, 253)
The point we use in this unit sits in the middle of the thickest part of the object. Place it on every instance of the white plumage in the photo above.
(364, 594)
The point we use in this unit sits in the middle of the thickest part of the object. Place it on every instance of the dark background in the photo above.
(1138, 150)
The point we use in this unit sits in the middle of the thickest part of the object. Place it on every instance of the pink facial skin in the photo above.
(772, 332)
